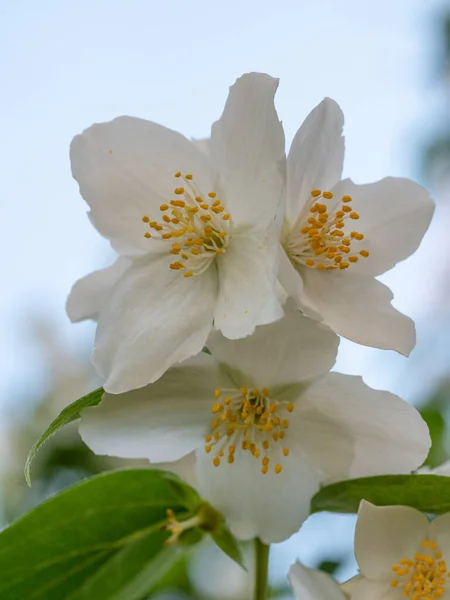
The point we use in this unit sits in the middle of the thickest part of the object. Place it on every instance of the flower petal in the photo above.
(359, 308)
(440, 533)
(247, 151)
(374, 590)
(183, 467)
(290, 350)
(386, 534)
(125, 170)
(272, 506)
(316, 156)
(89, 294)
(247, 294)
(163, 421)
(350, 430)
(311, 584)
(154, 318)
(394, 214)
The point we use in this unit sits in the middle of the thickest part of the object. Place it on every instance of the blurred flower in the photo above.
(338, 236)
(280, 425)
(311, 584)
(207, 255)
(401, 554)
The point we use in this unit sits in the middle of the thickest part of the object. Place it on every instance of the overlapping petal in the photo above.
(125, 170)
(247, 151)
(311, 584)
(163, 421)
(384, 535)
(272, 506)
(371, 432)
(90, 293)
(358, 307)
(247, 294)
(153, 319)
(291, 350)
(394, 215)
(316, 156)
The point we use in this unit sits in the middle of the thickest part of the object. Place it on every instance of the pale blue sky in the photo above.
(65, 65)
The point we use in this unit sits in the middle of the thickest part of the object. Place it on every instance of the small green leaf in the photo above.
(101, 539)
(187, 495)
(69, 414)
(427, 493)
(223, 538)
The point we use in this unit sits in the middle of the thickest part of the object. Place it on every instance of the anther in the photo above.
(315, 193)
(327, 195)
(364, 253)
(146, 219)
(147, 234)
(354, 215)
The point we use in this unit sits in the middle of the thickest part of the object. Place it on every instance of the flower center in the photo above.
(321, 237)
(195, 225)
(249, 418)
(422, 578)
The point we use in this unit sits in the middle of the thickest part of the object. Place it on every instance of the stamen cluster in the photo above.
(424, 577)
(321, 238)
(199, 225)
(250, 418)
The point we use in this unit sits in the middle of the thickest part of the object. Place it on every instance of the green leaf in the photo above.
(69, 414)
(99, 540)
(186, 495)
(132, 572)
(428, 493)
(228, 544)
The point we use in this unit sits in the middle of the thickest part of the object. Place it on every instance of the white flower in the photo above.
(268, 424)
(442, 469)
(196, 233)
(401, 554)
(311, 584)
(338, 236)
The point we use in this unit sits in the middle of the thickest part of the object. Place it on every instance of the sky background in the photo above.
(66, 65)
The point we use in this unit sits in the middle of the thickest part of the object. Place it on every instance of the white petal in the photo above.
(386, 534)
(203, 145)
(247, 151)
(394, 214)
(272, 506)
(125, 170)
(443, 469)
(163, 421)
(375, 590)
(440, 533)
(316, 156)
(291, 281)
(311, 584)
(183, 467)
(350, 430)
(288, 351)
(359, 308)
(89, 294)
(247, 293)
(154, 318)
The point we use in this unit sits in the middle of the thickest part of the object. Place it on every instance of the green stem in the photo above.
(261, 567)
